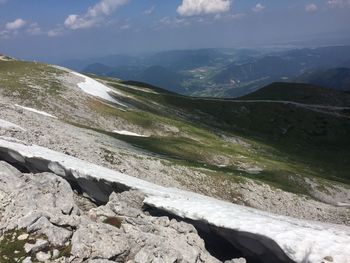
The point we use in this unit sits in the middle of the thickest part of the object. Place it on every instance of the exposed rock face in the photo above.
(40, 216)
(152, 239)
(256, 235)
(28, 128)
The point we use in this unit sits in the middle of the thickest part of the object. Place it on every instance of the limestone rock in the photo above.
(22, 237)
(45, 206)
(27, 260)
(39, 245)
(56, 235)
(42, 256)
(236, 260)
(99, 241)
(154, 239)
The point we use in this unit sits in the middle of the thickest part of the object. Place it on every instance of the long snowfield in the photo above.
(300, 240)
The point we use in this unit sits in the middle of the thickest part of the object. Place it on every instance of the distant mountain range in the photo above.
(335, 78)
(226, 72)
(301, 93)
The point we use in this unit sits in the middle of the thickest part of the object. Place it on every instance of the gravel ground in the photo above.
(59, 135)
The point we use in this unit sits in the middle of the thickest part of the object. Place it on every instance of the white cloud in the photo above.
(178, 22)
(149, 11)
(4, 34)
(77, 22)
(125, 27)
(237, 16)
(94, 15)
(172, 22)
(55, 32)
(34, 29)
(311, 8)
(258, 8)
(200, 7)
(16, 24)
(338, 3)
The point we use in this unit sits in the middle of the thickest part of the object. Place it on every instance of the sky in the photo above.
(64, 29)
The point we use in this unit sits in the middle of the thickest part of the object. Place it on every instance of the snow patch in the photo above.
(297, 238)
(61, 68)
(342, 204)
(5, 58)
(93, 87)
(123, 132)
(138, 88)
(36, 111)
(96, 89)
(6, 125)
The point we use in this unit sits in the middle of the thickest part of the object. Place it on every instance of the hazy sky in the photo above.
(86, 28)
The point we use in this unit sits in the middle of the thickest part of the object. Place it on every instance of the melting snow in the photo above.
(4, 58)
(36, 111)
(9, 125)
(297, 238)
(93, 87)
(129, 133)
(138, 88)
(96, 89)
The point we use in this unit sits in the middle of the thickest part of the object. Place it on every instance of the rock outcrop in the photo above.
(41, 218)
(259, 236)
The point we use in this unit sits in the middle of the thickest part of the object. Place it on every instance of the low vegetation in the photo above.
(275, 143)
(285, 142)
(11, 247)
(29, 82)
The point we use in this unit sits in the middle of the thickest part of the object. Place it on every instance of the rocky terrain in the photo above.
(46, 218)
(101, 149)
(43, 219)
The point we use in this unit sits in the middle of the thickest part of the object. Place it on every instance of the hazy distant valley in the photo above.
(226, 72)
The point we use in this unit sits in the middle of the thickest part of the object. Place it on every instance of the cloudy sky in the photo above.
(38, 29)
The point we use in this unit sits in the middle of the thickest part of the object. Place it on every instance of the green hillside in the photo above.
(273, 142)
(285, 139)
(302, 93)
(335, 78)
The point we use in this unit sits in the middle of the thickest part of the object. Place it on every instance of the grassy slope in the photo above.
(31, 83)
(334, 78)
(303, 93)
(284, 140)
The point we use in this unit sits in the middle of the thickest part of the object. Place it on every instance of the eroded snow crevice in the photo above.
(97, 190)
(225, 244)
(255, 233)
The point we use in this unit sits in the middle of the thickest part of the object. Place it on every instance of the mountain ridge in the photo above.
(223, 72)
(334, 78)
